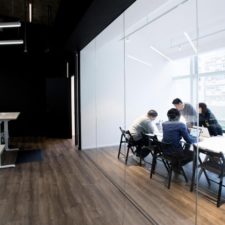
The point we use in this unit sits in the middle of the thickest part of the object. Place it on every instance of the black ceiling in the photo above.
(57, 21)
(43, 11)
(59, 17)
(69, 14)
(49, 45)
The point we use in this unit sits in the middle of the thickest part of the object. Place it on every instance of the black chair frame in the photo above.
(214, 162)
(171, 162)
(126, 138)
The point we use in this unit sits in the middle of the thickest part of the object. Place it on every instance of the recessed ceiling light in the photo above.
(161, 54)
(190, 42)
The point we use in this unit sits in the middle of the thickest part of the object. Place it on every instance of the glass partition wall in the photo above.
(154, 52)
(211, 90)
(160, 66)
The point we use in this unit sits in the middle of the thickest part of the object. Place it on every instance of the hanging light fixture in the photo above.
(30, 11)
(10, 24)
(11, 42)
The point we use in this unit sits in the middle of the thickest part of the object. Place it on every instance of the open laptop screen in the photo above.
(195, 132)
(204, 132)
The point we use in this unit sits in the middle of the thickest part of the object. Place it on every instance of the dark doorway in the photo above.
(58, 106)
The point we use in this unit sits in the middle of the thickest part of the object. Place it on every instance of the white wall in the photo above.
(88, 96)
(110, 84)
(102, 88)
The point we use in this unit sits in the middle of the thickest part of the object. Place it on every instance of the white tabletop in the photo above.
(215, 144)
(9, 115)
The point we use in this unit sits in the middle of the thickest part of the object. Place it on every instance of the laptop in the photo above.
(204, 132)
(195, 132)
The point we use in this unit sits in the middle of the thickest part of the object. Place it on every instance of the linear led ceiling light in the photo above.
(190, 42)
(12, 42)
(140, 61)
(160, 53)
(30, 12)
(9, 24)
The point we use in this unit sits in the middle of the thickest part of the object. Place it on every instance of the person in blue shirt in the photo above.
(173, 132)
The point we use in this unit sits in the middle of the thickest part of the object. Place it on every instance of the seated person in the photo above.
(173, 132)
(207, 119)
(187, 111)
(140, 126)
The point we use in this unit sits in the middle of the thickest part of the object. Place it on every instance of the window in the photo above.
(212, 82)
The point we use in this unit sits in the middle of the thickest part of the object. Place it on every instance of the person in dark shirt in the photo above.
(173, 132)
(207, 119)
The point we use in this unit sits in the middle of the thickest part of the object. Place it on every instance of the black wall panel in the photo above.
(34, 82)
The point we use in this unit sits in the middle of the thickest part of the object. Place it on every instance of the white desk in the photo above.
(5, 117)
(215, 144)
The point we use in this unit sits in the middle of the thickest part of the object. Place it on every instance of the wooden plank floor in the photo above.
(176, 206)
(66, 188)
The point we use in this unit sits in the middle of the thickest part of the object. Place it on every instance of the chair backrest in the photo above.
(158, 146)
(128, 138)
(153, 140)
(162, 146)
(214, 161)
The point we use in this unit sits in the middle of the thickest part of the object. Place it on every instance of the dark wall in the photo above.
(23, 78)
(25, 95)
(58, 102)
(30, 80)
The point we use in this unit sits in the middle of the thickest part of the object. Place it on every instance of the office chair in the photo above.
(126, 138)
(214, 163)
(172, 162)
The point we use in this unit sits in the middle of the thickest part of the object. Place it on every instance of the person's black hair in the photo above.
(173, 114)
(152, 113)
(176, 101)
(203, 106)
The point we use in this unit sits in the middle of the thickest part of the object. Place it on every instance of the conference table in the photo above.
(214, 144)
(5, 117)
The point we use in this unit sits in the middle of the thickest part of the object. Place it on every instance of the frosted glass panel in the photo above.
(88, 96)
(110, 84)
